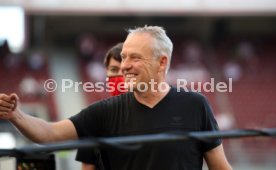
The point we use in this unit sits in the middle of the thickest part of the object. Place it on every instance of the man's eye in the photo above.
(114, 70)
(135, 57)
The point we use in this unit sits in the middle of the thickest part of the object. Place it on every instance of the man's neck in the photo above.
(151, 97)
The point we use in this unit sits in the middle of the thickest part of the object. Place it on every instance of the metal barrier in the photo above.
(136, 141)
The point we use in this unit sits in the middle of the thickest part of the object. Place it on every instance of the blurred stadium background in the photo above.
(221, 39)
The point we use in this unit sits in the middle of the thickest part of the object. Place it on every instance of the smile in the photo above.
(130, 75)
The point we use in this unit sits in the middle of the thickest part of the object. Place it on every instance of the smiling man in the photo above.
(146, 57)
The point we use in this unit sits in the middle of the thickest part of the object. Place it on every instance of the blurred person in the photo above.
(245, 50)
(232, 69)
(192, 53)
(248, 57)
(87, 47)
(12, 61)
(4, 48)
(192, 67)
(95, 71)
(29, 86)
(146, 56)
(91, 158)
(32, 88)
(36, 61)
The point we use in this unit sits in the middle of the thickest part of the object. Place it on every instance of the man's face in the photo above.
(138, 63)
(114, 68)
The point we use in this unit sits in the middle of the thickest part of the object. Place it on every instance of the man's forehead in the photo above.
(137, 40)
(138, 36)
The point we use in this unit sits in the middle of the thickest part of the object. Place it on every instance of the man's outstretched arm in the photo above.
(35, 129)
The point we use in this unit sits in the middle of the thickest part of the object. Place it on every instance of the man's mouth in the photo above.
(130, 75)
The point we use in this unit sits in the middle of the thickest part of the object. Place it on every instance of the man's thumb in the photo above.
(14, 99)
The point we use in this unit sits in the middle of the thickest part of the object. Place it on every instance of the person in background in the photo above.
(112, 62)
(91, 158)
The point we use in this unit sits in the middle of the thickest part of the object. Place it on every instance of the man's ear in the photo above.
(163, 61)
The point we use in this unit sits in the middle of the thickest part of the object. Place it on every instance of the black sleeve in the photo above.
(209, 123)
(89, 122)
(88, 156)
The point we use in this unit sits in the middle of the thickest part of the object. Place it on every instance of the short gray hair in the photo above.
(163, 44)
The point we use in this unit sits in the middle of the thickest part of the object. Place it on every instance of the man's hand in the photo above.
(8, 104)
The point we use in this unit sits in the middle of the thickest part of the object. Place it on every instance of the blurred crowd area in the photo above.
(24, 74)
(250, 62)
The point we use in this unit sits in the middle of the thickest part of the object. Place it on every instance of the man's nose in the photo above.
(125, 65)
